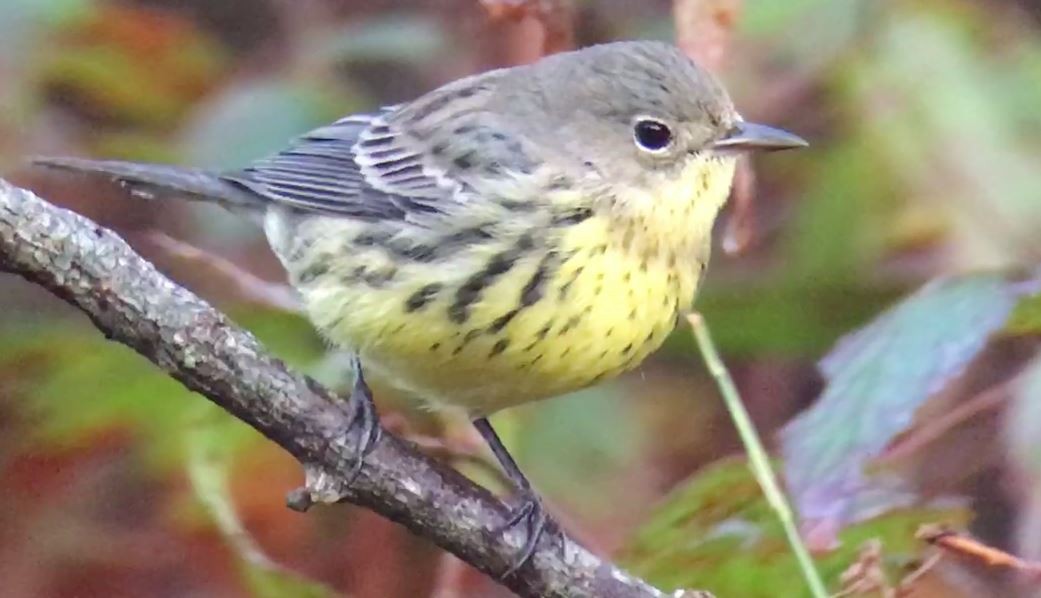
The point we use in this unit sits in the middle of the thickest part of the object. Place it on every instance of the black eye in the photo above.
(652, 135)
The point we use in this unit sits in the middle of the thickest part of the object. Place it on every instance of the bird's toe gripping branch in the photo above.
(363, 433)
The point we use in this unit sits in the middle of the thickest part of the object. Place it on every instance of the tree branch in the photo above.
(131, 302)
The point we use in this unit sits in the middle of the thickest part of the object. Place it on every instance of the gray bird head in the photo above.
(628, 108)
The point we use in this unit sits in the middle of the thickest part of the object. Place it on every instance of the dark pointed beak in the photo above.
(745, 137)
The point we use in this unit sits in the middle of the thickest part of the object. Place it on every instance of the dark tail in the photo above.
(158, 181)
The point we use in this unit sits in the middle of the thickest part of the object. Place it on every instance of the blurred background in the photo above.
(925, 129)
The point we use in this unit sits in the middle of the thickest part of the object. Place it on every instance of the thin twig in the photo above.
(246, 284)
(866, 574)
(907, 584)
(757, 455)
(932, 430)
(967, 547)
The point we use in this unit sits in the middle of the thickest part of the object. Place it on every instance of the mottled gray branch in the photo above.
(130, 302)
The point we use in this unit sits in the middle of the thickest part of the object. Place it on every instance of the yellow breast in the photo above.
(532, 313)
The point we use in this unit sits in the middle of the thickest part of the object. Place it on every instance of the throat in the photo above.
(671, 218)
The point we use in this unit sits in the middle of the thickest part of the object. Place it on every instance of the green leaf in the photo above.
(876, 379)
(1026, 317)
(716, 532)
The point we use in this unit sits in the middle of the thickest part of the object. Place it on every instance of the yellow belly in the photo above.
(596, 310)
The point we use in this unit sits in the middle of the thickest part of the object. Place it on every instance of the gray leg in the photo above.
(530, 512)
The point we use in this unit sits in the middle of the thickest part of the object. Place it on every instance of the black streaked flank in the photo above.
(564, 288)
(418, 253)
(545, 330)
(439, 248)
(381, 277)
(503, 320)
(518, 206)
(319, 267)
(424, 295)
(471, 290)
(570, 324)
(526, 242)
(535, 287)
(371, 238)
(499, 347)
(573, 216)
(542, 334)
(474, 234)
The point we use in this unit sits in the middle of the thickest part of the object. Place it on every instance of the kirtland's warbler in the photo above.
(509, 237)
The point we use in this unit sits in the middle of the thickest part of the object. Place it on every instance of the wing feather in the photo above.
(406, 162)
(358, 166)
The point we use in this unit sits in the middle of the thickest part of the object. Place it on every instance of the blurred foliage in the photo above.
(925, 139)
(717, 532)
(131, 65)
(73, 383)
(873, 390)
(210, 447)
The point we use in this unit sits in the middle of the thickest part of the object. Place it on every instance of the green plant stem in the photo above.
(757, 455)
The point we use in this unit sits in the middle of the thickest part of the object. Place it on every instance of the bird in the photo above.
(509, 237)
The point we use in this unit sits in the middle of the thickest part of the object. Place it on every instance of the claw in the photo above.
(532, 514)
(365, 422)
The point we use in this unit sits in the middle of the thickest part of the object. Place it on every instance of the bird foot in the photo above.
(364, 426)
(532, 515)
